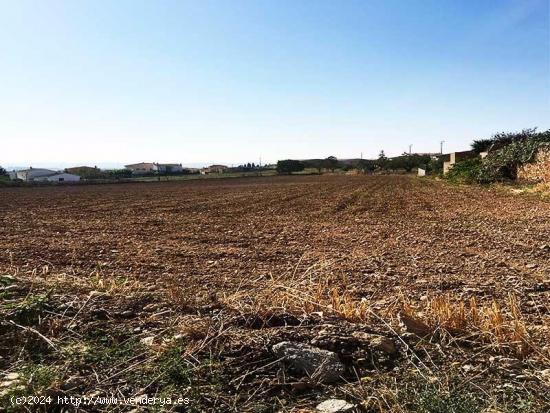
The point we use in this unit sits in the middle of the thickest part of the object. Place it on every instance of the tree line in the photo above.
(405, 162)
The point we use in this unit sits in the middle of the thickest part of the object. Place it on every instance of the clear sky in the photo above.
(116, 81)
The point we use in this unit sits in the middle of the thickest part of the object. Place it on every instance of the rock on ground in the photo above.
(320, 365)
(335, 406)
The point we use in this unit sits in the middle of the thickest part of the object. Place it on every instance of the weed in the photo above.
(433, 400)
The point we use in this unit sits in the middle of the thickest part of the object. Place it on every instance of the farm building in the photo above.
(142, 168)
(169, 168)
(59, 177)
(214, 169)
(43, 175)
(153, 167)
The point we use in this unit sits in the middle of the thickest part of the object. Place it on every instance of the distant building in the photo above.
(142, 168)
(192, 170)
(153, 167)
(42, 175)
(169, 168)
(214, 169)
(59, 177)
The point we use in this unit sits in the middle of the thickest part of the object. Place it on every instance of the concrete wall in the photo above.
(62, 177)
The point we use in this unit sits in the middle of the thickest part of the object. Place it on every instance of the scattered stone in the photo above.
(383, 344)
(466, 368)
(530, 266)
(545, 247)
(335, 406)
(148, 341)
(376, 342)
(320, 365)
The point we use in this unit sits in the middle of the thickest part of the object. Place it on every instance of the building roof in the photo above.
(141, 164)
(36, 172)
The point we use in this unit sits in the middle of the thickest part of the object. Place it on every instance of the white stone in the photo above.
(335, 406)
(148, 341)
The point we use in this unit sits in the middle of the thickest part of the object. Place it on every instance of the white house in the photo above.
(59, 177)
(142, 168)
(153, 167)
(40, 174)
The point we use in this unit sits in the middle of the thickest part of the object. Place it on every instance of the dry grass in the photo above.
(317, 290)
(502, 326)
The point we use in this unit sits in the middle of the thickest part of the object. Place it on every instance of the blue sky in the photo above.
(110, 82)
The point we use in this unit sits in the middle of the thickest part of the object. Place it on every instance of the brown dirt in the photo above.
(190, 258)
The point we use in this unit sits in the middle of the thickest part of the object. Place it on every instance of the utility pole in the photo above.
(260, 161)
(410, 149)
(441, 147)
(361, 155)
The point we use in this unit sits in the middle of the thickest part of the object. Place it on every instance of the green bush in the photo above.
(503, 163)
(288, 166)
(467, 171)
(507, 152)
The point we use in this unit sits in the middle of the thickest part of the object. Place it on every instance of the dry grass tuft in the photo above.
(316, 290)
(501, 326)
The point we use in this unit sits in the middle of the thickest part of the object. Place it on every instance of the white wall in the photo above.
(63, 177)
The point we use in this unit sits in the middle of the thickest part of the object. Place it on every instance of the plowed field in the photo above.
(206, 276)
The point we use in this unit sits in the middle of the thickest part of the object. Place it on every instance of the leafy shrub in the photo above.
(503, 163)
(288, 166)
(500, 139)
(467, 171)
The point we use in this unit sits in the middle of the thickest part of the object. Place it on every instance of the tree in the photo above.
(317, 164)
(3, 171)
(331, 163)
(482, 145)
(383, 160)
(409, 161)
(367, 165)
(288, 166)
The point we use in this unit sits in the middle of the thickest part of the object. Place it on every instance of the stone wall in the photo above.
(538, 171)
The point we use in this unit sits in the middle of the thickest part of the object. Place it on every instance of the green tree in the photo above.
(383, 160)
(288, 166)
(3, 171)
(482, 145)
(331, 163)
(367, 165)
